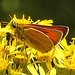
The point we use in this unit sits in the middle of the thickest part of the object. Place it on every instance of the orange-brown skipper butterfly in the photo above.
(40, 37)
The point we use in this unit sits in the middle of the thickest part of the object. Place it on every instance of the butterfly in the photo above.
(40, 37)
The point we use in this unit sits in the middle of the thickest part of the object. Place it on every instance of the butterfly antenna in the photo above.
(4, 22)
(10, 16)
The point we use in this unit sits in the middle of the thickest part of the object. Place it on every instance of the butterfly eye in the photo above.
(13, 24)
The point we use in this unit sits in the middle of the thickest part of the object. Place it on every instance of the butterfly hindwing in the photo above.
(53, 34)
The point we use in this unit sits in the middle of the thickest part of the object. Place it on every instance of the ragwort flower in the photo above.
(66, 57)
(3, 61)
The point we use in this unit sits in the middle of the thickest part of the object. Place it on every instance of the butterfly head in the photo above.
(14, 24)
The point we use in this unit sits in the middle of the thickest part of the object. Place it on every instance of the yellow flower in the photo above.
(46, 22)
(45, 56)
(3, 45)
(66, 57)
(59, 55)
(12, 70)
(29, 21)
(9, 49)
(3, 61)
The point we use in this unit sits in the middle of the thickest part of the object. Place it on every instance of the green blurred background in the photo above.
(62, 12)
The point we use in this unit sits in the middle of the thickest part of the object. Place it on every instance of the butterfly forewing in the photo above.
(39, 40)
(53, 34)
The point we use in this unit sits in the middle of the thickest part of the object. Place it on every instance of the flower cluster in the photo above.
(18, 58)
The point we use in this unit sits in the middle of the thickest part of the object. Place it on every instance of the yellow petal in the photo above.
(41, 70)
(46, 22)
(12, 49)
(21, 73)
(53, 71)
(15, 52)
(49, 66)
(32, 70)
(64, 44)
(58, 64)
(4, 42)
